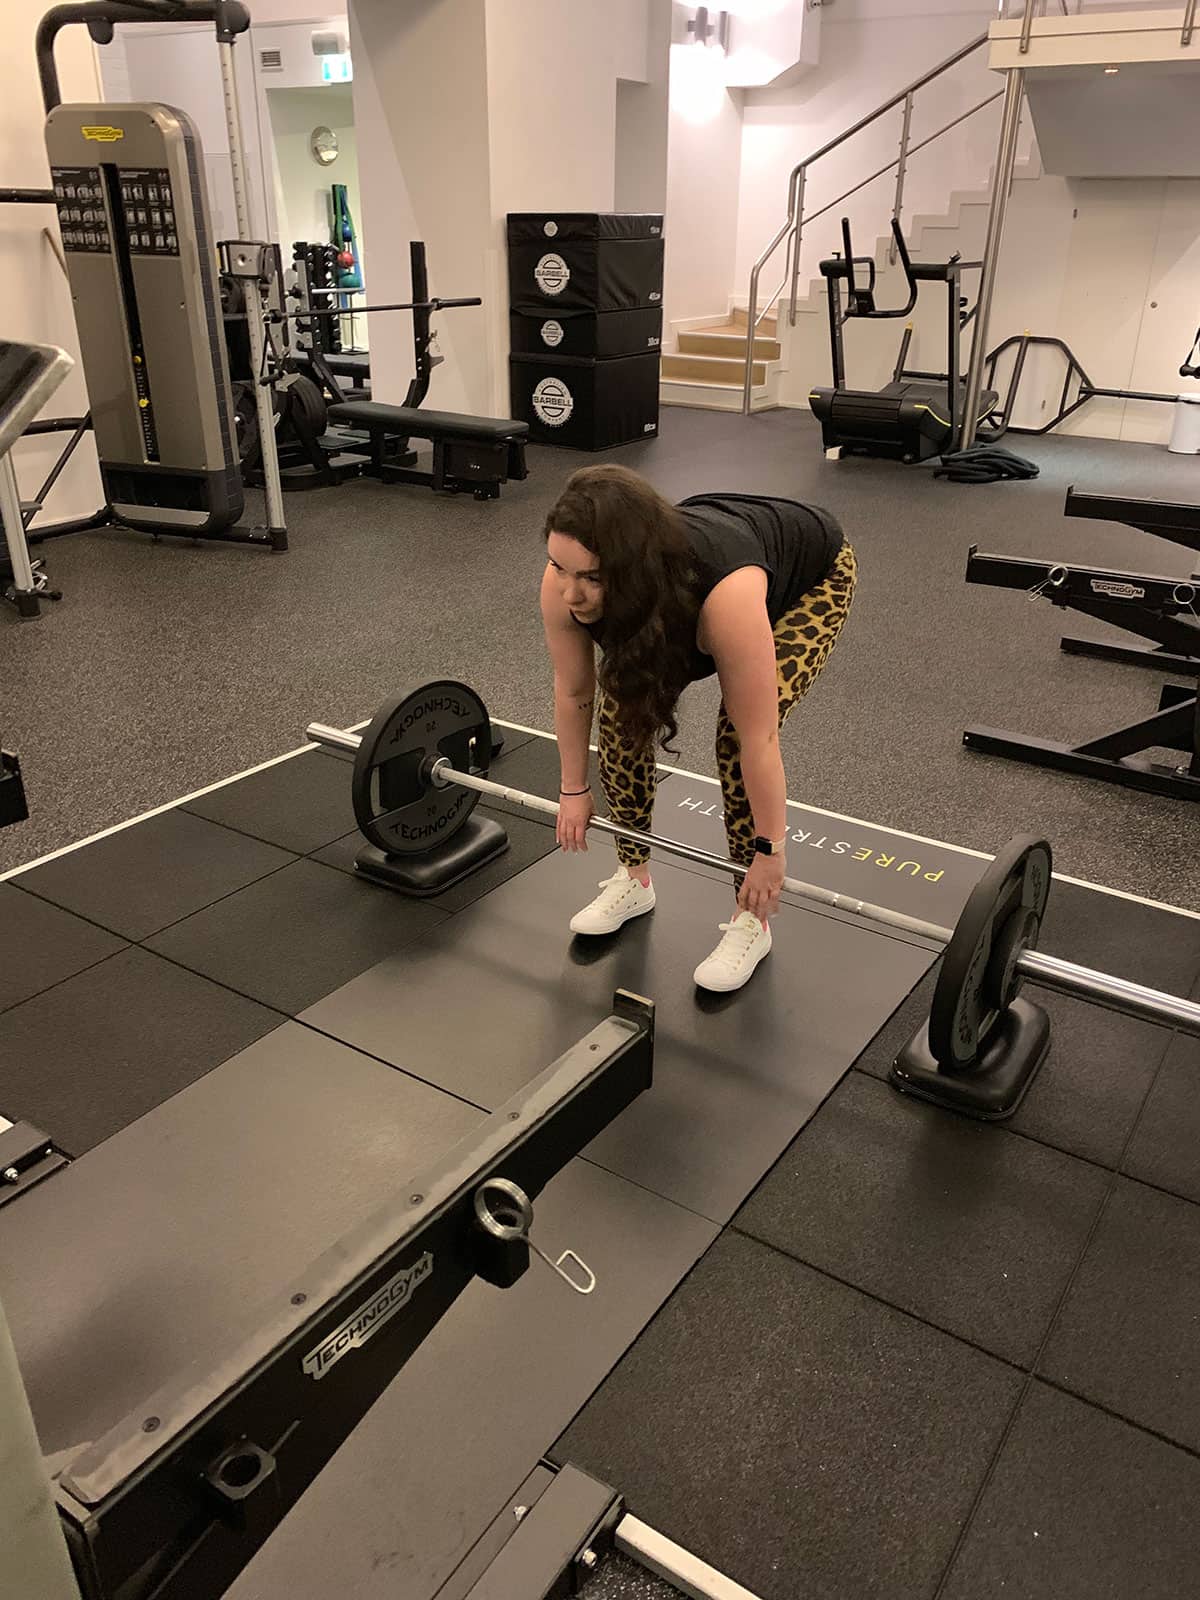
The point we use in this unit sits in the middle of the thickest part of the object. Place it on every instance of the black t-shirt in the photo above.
(795, 545)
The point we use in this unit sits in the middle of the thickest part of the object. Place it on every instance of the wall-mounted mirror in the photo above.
(324, 146)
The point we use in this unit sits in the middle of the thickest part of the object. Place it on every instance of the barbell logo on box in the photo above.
(552, 333)
(552, 274)
(364, 1323)
(553, 402)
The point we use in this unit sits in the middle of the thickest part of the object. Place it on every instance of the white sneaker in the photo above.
(621, 898)
(733, 962)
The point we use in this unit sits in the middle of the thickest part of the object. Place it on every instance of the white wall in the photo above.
(703, 166)
(420, 111)
(37, 303)
(302, 184)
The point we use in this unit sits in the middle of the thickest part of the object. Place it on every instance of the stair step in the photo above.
(767, 327)
(727, 341)
(713, 396)
(711, 369)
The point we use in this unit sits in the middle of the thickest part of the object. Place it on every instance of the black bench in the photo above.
(475, 454)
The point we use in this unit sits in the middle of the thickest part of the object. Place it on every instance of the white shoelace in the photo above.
(736, 933)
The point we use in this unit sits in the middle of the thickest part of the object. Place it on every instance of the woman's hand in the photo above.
(761, 886)
(575, 811)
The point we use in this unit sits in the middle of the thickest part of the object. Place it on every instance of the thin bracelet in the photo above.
(574, 794)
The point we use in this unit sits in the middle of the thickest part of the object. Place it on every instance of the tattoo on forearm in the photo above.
(586, 705)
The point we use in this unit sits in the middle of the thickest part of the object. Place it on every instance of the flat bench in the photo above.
(474, 454)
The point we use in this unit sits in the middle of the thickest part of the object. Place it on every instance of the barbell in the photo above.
(421, 767)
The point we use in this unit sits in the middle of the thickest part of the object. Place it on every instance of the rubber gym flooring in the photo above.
(169, 666)
(842, 1344)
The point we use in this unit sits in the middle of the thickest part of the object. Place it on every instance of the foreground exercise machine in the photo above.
(1158, 608)
(172, 1501)
(420, 769)
(917, 415)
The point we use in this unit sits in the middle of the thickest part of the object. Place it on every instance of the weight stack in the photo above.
(585, 325)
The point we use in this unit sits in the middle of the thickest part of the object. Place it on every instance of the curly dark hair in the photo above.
(651, 594)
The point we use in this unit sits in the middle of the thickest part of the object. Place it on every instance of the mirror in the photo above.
(324, 146)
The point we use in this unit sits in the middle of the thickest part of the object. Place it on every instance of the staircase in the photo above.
(708, 368)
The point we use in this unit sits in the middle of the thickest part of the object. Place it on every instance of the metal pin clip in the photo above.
(504, 1210)
(1054, 579)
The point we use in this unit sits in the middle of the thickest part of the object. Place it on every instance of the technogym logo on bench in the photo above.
(364, 1323)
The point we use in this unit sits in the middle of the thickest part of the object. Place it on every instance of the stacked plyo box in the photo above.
(585, 321)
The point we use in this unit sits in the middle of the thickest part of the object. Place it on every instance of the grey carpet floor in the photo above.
(169, 666)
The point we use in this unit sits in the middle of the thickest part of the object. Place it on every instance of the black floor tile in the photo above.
(480, 1402)
(804, 1439)
(1127, 1334)
(191, 1220)
(297, 935)
(1165, 1150)
(735, 1076)
(513, 738)
(527, 842)
(1089, 1090)
(1082, 1507)
(143, 878)
(1159, 948)
(904, 1023)
(91, 1055)
(299, 804)
(963, 1224)
(40, 945)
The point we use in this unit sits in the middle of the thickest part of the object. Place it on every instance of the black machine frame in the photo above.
(174, 1500)
(1162, 609)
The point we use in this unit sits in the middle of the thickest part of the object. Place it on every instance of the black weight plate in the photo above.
(306, 408)
(395, 805)
(964, 1009)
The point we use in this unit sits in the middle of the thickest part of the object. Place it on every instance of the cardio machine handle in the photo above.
(862, 301)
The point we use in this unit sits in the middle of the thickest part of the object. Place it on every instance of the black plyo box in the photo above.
(585, 275)
(536, 227)
(586, 405)
(586, 333)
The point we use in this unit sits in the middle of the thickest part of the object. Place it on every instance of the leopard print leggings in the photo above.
(804, 637)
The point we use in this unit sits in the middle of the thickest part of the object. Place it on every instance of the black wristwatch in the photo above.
(769, 847)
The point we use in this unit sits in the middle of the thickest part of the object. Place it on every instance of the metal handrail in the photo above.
(1035, 8)
(792, 227)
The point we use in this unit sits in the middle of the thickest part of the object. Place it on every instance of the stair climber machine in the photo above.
(915, 417)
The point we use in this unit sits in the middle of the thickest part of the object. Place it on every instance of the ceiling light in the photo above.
(1111, 72)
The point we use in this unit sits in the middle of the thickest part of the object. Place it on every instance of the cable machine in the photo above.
(128, 183)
